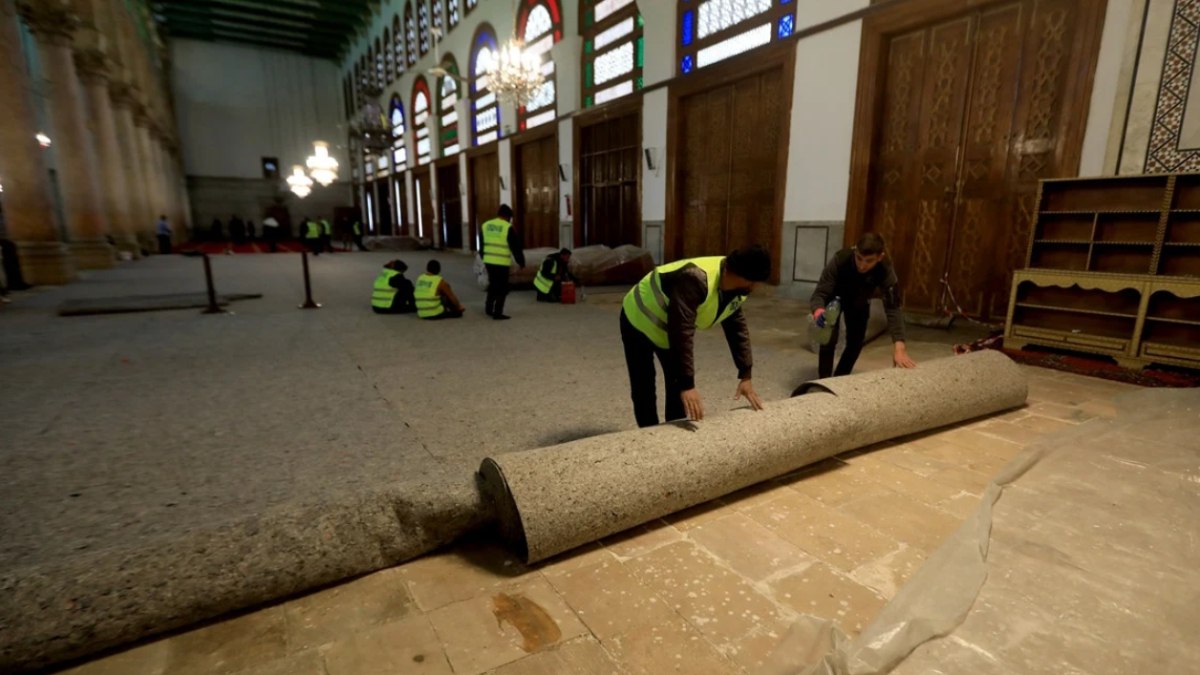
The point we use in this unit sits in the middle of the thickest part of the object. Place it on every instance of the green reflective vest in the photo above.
(357, 228)
(544, 283)
(645, 305)
(495, 242)
(326, 227)
(314, 230)
(383, 294)
(429, 303)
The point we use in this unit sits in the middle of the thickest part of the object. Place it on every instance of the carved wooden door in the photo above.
(485, 193)
(450, 206)
(972, 118)
(609, 176)
(537, 192)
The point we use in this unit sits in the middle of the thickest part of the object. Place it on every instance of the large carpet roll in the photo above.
(553, 499)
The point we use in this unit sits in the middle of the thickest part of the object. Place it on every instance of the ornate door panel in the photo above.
(704, 172)
(485, 192)
(537, 192)
(450, 206)
(609, 182)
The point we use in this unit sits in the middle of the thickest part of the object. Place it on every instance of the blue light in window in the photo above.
(786, 25)
(784, 2)
(687, 64)
(689, 26)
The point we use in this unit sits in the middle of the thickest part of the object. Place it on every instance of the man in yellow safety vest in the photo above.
(435, 299)
(501, 246)
(311, 231)
(392, 293)
(660, 316)
(551, 275)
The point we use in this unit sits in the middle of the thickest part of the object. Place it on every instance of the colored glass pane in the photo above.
(787, 24)
(755, 37)
(717, 15)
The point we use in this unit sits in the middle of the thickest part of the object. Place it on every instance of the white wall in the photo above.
(1122, 25)
(237, 104)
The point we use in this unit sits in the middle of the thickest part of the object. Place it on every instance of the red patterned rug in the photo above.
(219, 247)
(1088, 364)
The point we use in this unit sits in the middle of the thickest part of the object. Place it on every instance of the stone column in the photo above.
(145, 229)
(122, 99)
(52, 24)
(28, 204)
(93, 76)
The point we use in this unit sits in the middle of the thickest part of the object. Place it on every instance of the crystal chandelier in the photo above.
(321, 166)
(516, 76)
(300, 184)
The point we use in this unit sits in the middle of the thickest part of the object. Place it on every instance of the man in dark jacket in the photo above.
(853, 275)
(551, 275)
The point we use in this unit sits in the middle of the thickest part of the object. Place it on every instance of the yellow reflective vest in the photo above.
(495, 242)
(314, 230)
(429, 303)
(543, 283)
(383, 294)
(645, 305)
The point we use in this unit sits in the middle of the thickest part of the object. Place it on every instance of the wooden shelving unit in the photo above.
(1113, 267)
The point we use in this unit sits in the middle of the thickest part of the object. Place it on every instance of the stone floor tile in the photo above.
(966, 480)
(674, 647)
(747, 547)
(823, 532)
(961, 506)
(583, 556)
(1099, 408)
(822, 592)
(346, 609)
(581, 656)
(227, 646)
(1045, 425)
(148, 659)
(461, 573)
(491, 630)
(902, 481)
(752, 650)
(307, 662)
(610, 600)
(721, 604)
(1014, 432)
(904, 519)
(642, 539)
(698, 515)
(748, 498)
(834, 483)
(886, 575)
(980, 461)
(406, 646)
(906, 456)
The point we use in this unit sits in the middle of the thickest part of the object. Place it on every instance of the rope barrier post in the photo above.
(308, 301)
(213, 307)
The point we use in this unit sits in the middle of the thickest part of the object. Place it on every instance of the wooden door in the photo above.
(610, 182)
(424, 202)
(725, 186)
(383, 206)
(972, 114)
(450, 205)
(536, 179)
(485, 193)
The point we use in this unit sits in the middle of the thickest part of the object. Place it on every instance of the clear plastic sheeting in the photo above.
(592, 265)
(1081, 559)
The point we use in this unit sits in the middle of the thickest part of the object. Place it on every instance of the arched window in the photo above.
(613, 50)
(397, 46)
(448, 94)
(423, 25)
(485, 113)
(369, 67)
(439, 16)
(539, 23)
(471, 4)
(399, 150)
(410, 33)
(380, 74)
(358, 85)
(453, 12)
(420, 108)
(389, 63)
(714, 30)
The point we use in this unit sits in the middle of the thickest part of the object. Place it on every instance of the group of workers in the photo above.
(660, 315)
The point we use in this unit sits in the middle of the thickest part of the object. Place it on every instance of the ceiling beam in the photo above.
(189, 15)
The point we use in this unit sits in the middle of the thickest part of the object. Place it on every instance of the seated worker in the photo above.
(435, 300)
(551, 275)
(852, 276)
(393, 294)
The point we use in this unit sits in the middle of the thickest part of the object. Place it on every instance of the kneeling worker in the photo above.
(393, 294)
(660, 316)
(551, 275)
(435, 300)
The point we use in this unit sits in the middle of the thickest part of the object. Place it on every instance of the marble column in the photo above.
(28, 205)
(52, 24)
(114, 198)
(121, 97)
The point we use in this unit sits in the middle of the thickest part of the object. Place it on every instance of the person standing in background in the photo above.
(163, 231)
(501, 246)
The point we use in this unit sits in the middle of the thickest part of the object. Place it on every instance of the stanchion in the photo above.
(308, 301)
(213, 307)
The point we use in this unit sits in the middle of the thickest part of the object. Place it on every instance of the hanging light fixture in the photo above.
(42, 139)
(321, 166)
(300, 184)
(517, 75)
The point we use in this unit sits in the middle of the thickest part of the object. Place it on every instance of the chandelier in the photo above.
(516, 75)
(370, 127)
(299, 183)
(321, 166)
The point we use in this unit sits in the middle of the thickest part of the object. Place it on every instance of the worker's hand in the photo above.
(745, 388)
(819, 317)
(692, 404)
(900, 357)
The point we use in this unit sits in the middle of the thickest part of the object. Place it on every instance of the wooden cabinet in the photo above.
(1113, 268)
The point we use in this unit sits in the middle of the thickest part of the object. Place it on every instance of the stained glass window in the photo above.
(471, 4)
(439, 13)
(711, 31)
(448, 91)
(423, 25)
(485, 114)
(539, 23)
(399, 150)
(453, 12)
(398, 46)
(410, 33)
(420, 121)
(380, 71)
(389, 63)
(613, 50)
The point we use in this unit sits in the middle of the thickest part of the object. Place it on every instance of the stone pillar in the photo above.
(145, 229)
(28, 204)
(93, 76)
(52, 24)
(122, 98)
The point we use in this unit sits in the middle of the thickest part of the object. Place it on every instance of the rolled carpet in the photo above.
(553, 499)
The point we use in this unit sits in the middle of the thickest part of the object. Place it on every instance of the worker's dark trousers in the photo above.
(639, 359)
(315, 246)
(164, 244)
(497, 289)
(855, 319)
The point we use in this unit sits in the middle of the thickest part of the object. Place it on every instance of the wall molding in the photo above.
(1163, 154)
